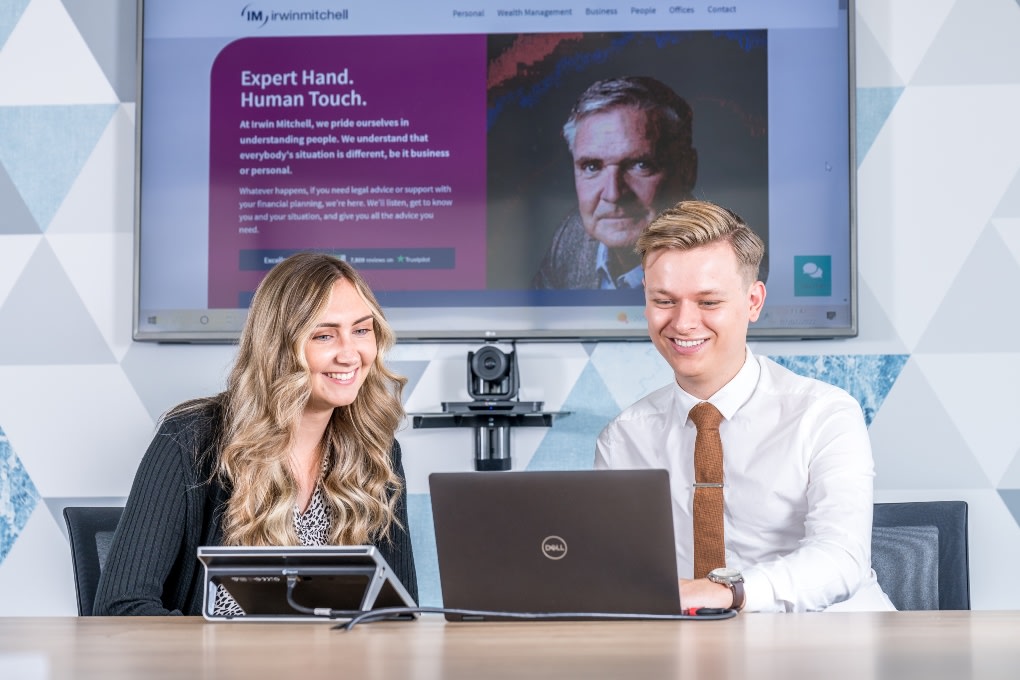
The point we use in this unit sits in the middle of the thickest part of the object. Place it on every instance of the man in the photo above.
(630, 139)
(798, 471)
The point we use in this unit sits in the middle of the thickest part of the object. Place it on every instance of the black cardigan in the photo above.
(174, 508)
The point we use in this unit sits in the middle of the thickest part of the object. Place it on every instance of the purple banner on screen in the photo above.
(349, 144)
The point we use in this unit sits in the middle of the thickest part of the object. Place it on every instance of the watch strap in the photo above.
(733, 580)
(737, 588)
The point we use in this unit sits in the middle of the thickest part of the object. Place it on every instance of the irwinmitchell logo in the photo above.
(260, 17)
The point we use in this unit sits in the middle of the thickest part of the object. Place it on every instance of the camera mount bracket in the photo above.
(493, 383)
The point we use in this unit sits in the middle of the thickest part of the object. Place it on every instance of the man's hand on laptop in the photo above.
(700, 592)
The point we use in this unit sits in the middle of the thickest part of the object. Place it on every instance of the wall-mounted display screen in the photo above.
(488, 167)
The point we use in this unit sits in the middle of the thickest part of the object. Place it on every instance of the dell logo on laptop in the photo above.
(554, 547)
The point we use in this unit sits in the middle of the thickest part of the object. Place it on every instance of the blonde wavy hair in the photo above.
(691, 224)
(266, 394)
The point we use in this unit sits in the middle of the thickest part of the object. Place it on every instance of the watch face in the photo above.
(725, 574)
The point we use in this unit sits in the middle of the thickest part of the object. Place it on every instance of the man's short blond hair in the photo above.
(691, 224)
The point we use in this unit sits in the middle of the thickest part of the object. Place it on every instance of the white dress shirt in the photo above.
(799, 480)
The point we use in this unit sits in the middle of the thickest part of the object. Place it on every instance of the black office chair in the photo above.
(919, 552)
(91, 531)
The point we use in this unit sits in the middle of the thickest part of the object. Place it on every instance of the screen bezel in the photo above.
(468, 323)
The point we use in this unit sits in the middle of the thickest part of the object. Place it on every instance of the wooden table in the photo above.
(907, 645)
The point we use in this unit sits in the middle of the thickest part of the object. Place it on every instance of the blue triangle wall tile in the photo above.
(868, 377)
(18, 496)
(44, 149)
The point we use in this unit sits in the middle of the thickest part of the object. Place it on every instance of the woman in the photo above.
(299, 449)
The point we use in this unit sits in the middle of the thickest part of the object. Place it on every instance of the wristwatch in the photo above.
(732, 579)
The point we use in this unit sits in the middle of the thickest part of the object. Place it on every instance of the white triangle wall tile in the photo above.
(1010, 205)
(915, 443)
(101, 198)
(16, 218)
(988, 426)
(1008, 230)
(10, 14)
(975, 128)
(1010, 479)
(109, 28)
(163, 376)
(970, 318)
(15, 253)
(51, 327)
(98, 264)
(876, 333)
(875, 233)
(952, 59)
(904, 28)
(992, 530)
(63, 69)
(873, 66)
(412, 371)
(111, 429)
(48, 581)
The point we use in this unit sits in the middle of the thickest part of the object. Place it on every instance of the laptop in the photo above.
(300, 583)
(580, 541)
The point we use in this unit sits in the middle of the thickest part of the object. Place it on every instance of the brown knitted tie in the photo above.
(709, 547)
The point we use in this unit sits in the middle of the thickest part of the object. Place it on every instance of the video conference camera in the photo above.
(492, 382)
(492, 375)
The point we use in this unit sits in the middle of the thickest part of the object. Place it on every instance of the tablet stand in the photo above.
(300, 582)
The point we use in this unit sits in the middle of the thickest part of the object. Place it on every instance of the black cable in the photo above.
(325, 612)
(358, 616)
(387, 612)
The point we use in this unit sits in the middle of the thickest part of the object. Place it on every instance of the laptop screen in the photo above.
(585, 541)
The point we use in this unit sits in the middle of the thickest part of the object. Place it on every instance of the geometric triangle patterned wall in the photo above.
(935, 366)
